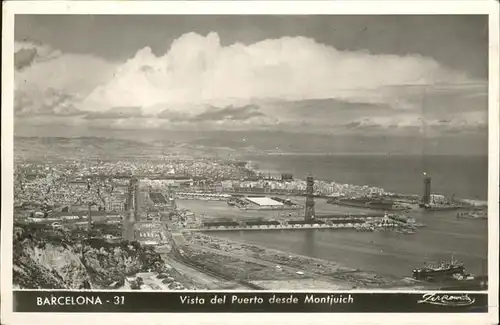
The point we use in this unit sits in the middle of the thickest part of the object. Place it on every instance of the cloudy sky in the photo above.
(369, 75)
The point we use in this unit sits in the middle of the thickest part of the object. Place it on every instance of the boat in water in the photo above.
(473, 215)
(442, 270)
(409, 222)
(399, 217)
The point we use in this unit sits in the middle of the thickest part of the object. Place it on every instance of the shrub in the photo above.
(134, 286)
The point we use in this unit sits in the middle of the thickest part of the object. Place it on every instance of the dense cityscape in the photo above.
(104, 184)
(154, 206)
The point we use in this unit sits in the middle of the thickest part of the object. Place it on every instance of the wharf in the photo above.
(352, 216)
(274, 227)
(331, 221)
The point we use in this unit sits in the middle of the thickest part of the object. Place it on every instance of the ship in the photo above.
(403, 219)
(443, 270)
(472, 215)
(408, 222)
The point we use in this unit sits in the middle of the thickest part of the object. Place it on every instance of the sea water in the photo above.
(387, 253)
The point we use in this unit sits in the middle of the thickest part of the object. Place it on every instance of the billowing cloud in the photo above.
(199, 69)
(49, 102)
(230, 113)
(425, 125)
(50, 82)
(288, 82)
(212, 113)
(24, 57)
(27, 53)
(116, 113)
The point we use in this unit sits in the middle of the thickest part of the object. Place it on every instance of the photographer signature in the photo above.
(446, 299)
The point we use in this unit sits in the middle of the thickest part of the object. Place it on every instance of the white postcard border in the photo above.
(373, 7)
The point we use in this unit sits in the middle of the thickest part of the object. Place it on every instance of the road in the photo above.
(204, 275)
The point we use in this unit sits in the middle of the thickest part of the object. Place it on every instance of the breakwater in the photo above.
(298, 226)
(350, 216)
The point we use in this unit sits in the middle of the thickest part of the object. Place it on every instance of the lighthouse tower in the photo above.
(426, 199)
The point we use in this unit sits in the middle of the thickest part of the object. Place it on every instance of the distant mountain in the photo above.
(61, 148)
(159, 143)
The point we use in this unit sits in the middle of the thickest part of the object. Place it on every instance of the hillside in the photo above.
(48, 259)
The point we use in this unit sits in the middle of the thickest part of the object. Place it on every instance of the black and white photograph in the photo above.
(266, 153)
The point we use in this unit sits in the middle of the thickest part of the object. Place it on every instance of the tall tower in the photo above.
(426, 199)
(309, 213)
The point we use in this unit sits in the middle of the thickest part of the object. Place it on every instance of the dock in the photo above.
(351, 225)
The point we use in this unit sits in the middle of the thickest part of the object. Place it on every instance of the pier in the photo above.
(344, 223)
(281, 227)
(351, 216)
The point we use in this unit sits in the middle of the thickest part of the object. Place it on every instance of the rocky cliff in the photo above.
(54, 259)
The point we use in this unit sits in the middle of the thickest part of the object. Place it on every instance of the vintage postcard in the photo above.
(173, 162)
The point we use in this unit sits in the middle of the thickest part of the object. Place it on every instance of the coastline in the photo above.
(303, 271)
(445, 180)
